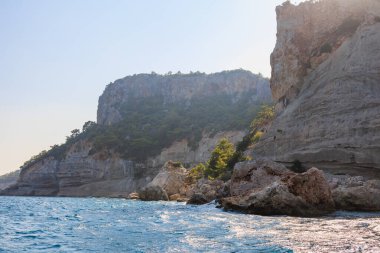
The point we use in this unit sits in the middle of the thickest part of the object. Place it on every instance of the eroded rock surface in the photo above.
(100, 163)
(9, 179)
(355, 193)
(255, 175)
(171, 178)
(153, 193)
(179, 87)
(205, 191)
(325, 79)
(105, 173)
(266, 188)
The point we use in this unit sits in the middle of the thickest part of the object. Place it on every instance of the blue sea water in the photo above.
(40, 224)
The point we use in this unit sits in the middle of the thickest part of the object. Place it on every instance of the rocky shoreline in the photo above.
(264, 187)
(325, 86)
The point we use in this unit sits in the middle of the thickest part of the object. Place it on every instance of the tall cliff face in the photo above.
(144, 121)
(326, 83)
(106, 173)
(179, 88)
(307, 36)
(9, 179)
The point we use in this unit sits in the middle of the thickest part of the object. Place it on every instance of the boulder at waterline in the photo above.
(266, 188)
(171, 178)
(205, 191)
(355, 193)
(153, 193)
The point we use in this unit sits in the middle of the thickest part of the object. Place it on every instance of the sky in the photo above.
(57, 56)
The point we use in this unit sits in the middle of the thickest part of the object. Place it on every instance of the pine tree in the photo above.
(217, 165)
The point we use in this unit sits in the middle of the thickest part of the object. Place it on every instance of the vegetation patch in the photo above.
(149, 125)
(225, 155)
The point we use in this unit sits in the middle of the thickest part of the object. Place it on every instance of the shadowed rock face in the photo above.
(105, 173)
(80, 174)
(267, 188)
(355, 193)
(9, 179)
(178, 88)
(307, 34)
(171, 178)
(326, 81)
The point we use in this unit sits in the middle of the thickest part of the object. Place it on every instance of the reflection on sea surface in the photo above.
(33, 224)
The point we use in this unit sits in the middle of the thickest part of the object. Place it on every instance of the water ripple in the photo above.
(36, 224)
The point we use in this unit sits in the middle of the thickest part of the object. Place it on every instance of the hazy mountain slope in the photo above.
(8, 179)
(143, 121)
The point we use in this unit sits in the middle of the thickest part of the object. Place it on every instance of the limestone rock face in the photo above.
(359, 198)
(255, 175)
(9, 179)
(181, 150)
(106, 174)
(171, 178)
(153, 193)
(178, 88)
(306, 36)
(87, 168)
(312, 186)
(355, 193)
(39, 180)
(325, 80)
(266, 188)
(205, 191)
(80, 174)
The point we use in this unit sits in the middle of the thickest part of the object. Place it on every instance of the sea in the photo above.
(47, 224)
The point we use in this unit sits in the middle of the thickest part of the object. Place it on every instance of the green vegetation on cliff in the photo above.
(149, 125)
(225, 155)
(141, 115)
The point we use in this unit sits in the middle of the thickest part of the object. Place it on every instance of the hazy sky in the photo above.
(57, 56)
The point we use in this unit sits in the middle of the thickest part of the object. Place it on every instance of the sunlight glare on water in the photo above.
(34, 224)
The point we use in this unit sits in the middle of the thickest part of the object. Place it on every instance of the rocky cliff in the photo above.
(326, 83)
(8, 179)
(144, 121)
(179, 88)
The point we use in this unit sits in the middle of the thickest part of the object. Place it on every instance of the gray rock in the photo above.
(255, 174)
(171, 178)
(355, 193)
(328, 103)
(198, 199)
(266, 188)
(9, 179)
(174, 88)
(106, 173)
(153, 193)
(205, 191)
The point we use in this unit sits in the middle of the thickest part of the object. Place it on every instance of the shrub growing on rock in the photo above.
(217, 165)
